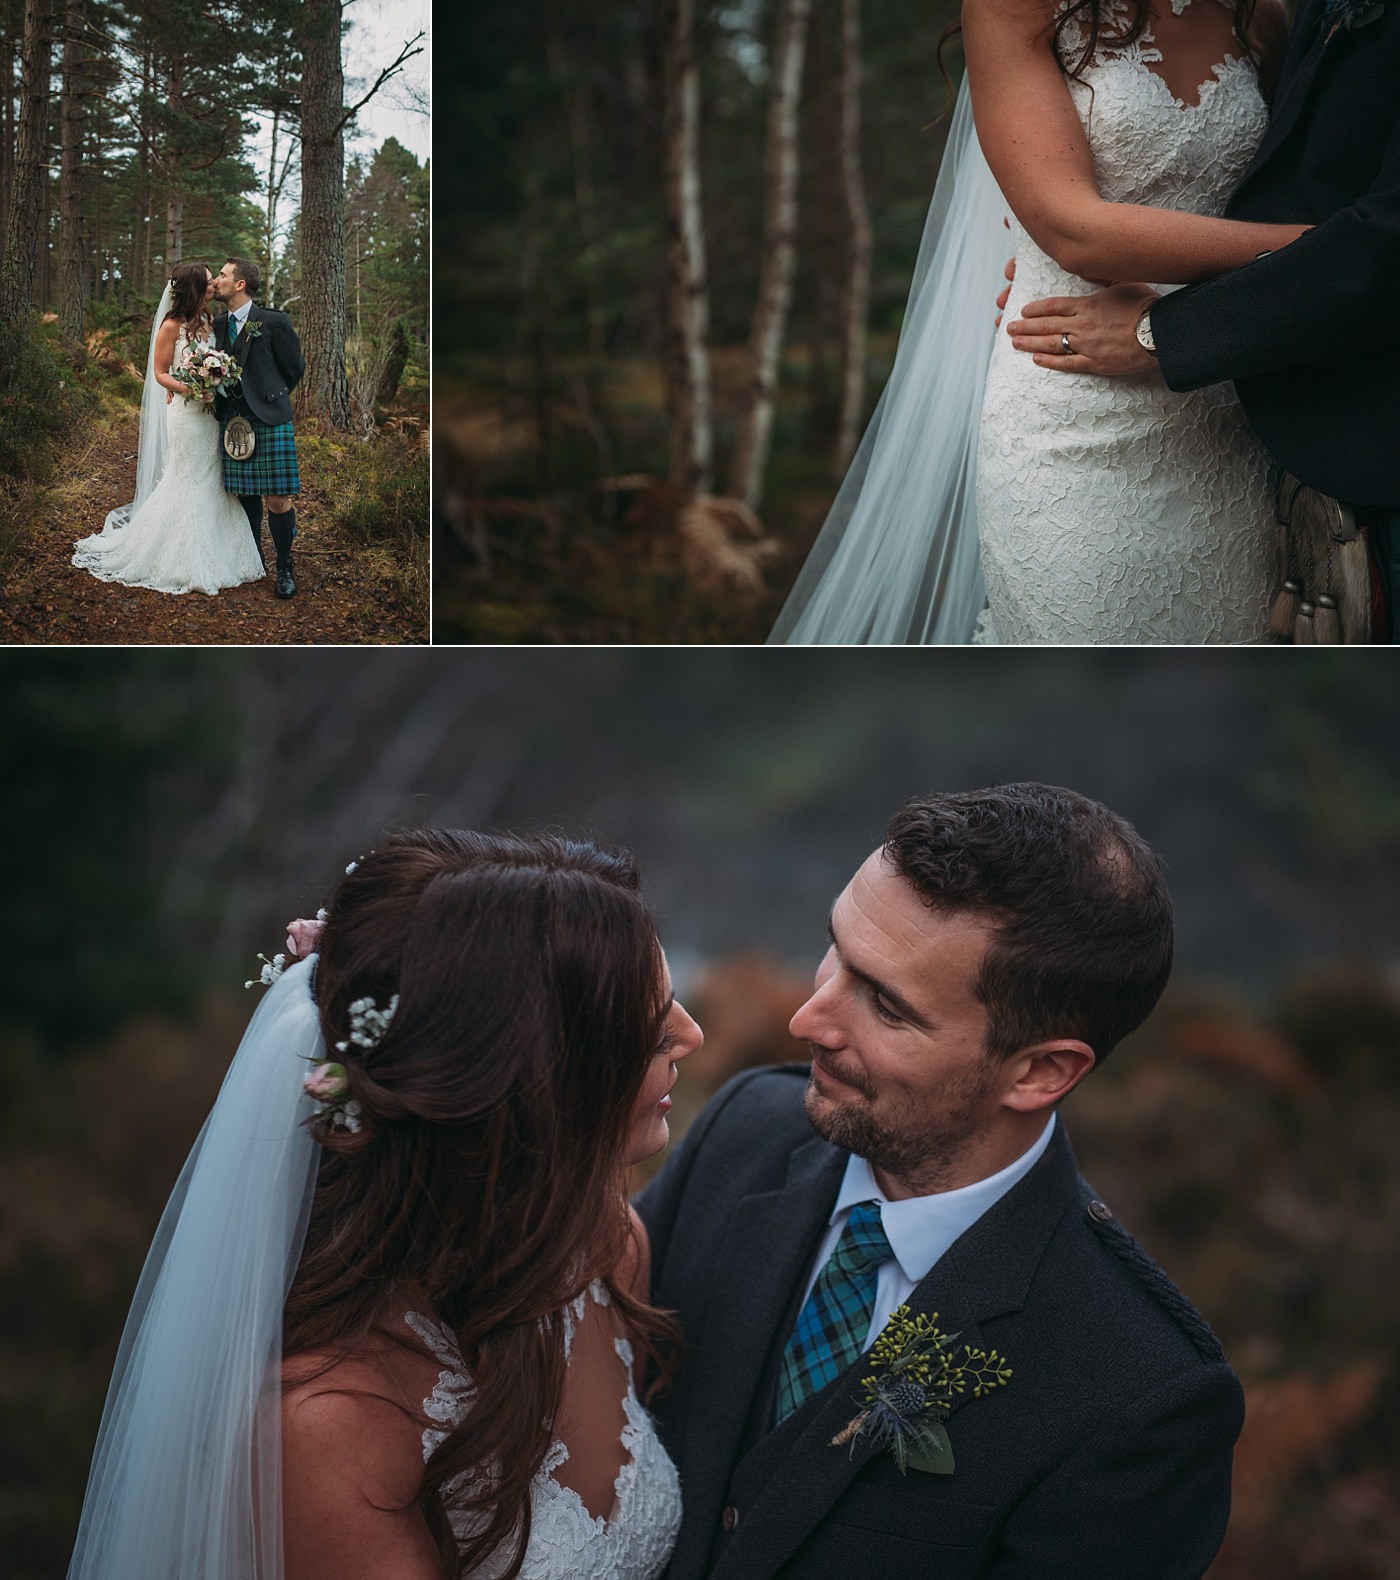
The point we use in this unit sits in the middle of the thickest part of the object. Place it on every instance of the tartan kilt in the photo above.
(272, 467)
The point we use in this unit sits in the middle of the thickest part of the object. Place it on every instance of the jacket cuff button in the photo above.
(1100, 1213)
(730, 1518)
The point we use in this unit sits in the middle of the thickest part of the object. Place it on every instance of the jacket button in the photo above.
(730, 1518)
(1101, 1213)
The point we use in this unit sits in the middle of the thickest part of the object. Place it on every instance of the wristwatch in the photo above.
(1144, 331)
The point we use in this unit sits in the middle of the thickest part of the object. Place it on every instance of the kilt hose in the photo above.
(272, 467)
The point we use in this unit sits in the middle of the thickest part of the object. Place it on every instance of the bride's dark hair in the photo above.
(188, 284)
(487, 1180)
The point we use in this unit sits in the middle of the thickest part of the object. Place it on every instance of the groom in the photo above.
(1305, 332)
(982, 961)
(255, 425)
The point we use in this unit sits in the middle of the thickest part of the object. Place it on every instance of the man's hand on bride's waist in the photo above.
(1088, 334)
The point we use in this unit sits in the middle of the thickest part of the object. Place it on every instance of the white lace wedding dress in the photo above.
(566, 1541)
(188, 535)
(1114, 510)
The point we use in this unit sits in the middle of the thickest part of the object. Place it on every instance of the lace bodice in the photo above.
(566, 1541)
(1116, 510)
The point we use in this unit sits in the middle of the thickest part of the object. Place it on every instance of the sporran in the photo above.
(1325, 596)
(239, 439)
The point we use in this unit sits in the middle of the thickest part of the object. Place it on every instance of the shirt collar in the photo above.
(921, 1228)
(241, 313)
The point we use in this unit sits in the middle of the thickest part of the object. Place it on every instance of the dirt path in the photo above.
(342, 593)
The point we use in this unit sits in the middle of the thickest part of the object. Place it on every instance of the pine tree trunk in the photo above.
(855, 305)
(7, 114)
(175, 203)
(750, 461)
(72, 294)
(22, 227)
(687, 289)
(325, 391)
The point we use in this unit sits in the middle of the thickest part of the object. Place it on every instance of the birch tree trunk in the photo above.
(325, 390)
(72, 293)
(855, 305)
(22, 223)
(750, 460)
(687, 289)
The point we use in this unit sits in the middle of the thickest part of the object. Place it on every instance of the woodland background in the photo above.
(133, 137)
(171, 811)
(672, 275)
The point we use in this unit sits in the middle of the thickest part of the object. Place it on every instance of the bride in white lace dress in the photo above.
(182, 532)
(1105, 512)
(392, 1320)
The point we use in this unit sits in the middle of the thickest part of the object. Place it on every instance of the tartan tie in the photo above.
(232, 329)
(832, 1326)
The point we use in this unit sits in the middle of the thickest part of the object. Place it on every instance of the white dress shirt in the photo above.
(919, 1229)
(240, 316)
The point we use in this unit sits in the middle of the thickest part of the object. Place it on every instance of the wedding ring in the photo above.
(1064, 341)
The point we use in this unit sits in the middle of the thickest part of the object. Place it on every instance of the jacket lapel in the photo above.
(766, 1257)
(794, 1475)
(1307, 49)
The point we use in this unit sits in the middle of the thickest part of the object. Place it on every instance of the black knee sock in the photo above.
(283, 522)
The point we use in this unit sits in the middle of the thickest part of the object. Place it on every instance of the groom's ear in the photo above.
(1046, 1072)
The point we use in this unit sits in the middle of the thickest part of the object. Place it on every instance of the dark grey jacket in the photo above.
(1307, 334)
(1106, 1457)
(272, 365)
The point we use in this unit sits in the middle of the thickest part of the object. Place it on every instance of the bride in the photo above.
(388, 1323)
(1115, 131)
(182, 532)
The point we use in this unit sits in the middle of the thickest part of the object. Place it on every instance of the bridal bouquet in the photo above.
(204, 372)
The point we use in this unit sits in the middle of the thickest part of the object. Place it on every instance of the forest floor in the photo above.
(347, 593)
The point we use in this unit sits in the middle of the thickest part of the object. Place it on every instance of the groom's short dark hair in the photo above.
(1076, 898)
(247, 272)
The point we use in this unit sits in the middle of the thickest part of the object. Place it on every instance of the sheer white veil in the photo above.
(186, 1478)
(897, 558)
(151, 450)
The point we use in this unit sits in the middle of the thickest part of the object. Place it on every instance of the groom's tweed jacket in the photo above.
(1107, 1454)
(1308, 333)
(272, 365)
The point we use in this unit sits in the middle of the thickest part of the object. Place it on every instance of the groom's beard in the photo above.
(918, 1140)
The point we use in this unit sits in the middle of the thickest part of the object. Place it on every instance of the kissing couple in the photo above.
(202, 483)
(400, 1316)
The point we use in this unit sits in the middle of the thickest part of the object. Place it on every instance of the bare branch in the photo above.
(405, 55)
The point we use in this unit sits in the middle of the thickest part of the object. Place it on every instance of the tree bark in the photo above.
(687, 289)
(855, 305)
(72, 294)
(7, 114)
(175, 202)
(22, 225)
(325, 390)
(750, 460)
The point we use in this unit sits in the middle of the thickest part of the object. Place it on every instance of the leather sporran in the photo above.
(239, 439)
(1325, 596)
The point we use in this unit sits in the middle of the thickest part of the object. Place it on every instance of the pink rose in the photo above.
(326, 1083)
(304, 937)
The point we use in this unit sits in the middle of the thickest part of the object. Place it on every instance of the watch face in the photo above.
(1144, 333)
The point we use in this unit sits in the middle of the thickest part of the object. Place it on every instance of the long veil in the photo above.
(151, 450)
(896, 560)
(186, 1477)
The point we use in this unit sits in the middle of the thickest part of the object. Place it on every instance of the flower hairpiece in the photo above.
(303, 938)
(368, 1023)
(329, 1085)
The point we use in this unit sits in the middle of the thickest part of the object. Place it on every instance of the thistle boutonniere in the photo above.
(1350, 14)
(253, 327)
(913, 1381)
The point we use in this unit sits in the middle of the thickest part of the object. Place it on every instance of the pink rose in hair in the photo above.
(304, 937)
(326, 1083)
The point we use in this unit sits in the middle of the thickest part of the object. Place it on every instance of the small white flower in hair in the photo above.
(368, 1023)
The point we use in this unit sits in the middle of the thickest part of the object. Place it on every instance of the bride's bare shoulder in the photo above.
(352, 1467)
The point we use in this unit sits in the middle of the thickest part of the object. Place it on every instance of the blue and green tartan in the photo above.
(832, 1326)
(272, 467)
